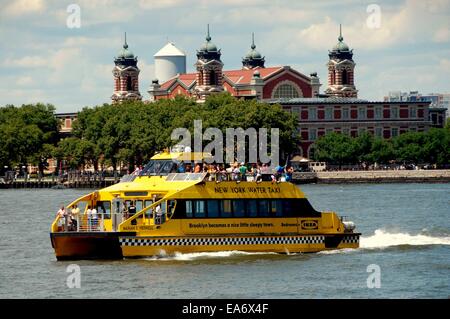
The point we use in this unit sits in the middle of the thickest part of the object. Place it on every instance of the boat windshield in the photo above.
(159, 167)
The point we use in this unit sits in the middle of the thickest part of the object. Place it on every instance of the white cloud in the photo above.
(24, 81)
(23, 7)
(442, 35)
(26, 62)
(157, 4)
(445, 65)
(72, 67)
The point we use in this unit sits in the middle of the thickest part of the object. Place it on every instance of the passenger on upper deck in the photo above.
(279, 170)
(243, 172)
(289, 172)
(181, 168)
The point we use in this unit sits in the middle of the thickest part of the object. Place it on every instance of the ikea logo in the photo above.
(310, 224)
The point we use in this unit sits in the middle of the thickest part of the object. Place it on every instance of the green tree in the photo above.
(437, 146)
(409, 147)
(27, 133)
(335, 148)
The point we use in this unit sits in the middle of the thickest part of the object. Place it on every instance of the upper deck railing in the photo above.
(219, 177)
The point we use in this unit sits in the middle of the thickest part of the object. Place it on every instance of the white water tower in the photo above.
(169, 61)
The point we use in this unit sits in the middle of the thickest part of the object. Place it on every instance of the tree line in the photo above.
(432, 147)
(131, 132)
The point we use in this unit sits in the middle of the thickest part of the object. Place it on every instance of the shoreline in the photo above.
(329, 177)
(379, 176)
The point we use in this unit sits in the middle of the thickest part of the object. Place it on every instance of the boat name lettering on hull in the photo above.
(228, 225)
(245, 190)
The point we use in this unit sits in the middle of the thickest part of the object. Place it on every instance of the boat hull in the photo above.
(133, 247)
(87, 245)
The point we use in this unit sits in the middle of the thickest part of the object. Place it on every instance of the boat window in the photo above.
(156, 167)
(276, 208)
(171, 207)
(226, 209)
(287, 209)
(135, 194)
(263, 208)
(148, 212)
(252, 208)
(139, 206)
(213, 208)
(148, 203)
(239, 208)
(200, 209)
(189, 209)
(104, 207)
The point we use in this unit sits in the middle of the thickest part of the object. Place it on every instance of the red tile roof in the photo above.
(245, 76)
(235, 76)
(187, 79)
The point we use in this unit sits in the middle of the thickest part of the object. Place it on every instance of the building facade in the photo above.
(436, 100)
(253, 80)
(319, 116)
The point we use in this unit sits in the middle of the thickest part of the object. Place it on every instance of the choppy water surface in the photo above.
(406, 232)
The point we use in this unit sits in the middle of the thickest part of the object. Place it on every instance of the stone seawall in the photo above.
(382, 176)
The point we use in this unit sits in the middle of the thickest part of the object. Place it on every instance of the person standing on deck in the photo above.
(89, 216)
(94, 218)
(75, 212)
(61, 214)
(132, 211)
(158, 215)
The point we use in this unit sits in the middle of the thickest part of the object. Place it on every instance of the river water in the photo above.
(406, 233)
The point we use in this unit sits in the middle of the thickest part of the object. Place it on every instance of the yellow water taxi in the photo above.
(162, 211)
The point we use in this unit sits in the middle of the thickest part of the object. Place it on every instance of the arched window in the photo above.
(311, 152)
(129, 84)
(212, 78)
(286, 91)
(344, 77)
(333, 77)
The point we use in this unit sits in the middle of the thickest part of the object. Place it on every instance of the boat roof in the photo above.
(192, 185)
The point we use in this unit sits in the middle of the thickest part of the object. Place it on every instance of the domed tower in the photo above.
(341, 70)
(209, 69)
(169, 61)
(253, 58)
(126, 76)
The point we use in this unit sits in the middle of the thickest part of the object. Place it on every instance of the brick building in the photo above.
(253, 80)
(338, 110)
(319, 116)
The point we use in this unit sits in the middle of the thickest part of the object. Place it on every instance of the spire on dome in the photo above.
(125, 56)
(253, 58)
(208, 37)
(208, 51)
(340, 33)
(125, 44)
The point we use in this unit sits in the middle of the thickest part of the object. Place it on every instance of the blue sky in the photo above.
(42, 60)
